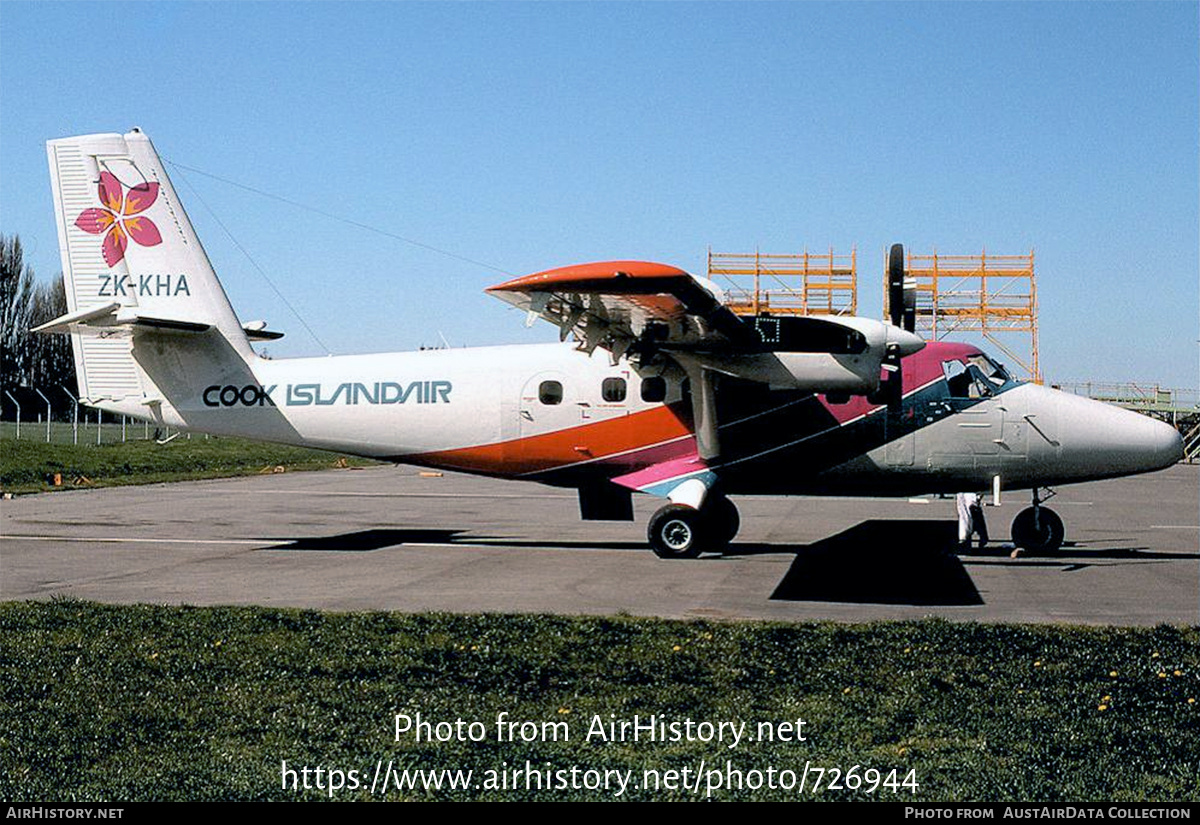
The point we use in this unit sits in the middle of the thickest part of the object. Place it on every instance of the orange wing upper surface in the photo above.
(602, 276)
(611, 303)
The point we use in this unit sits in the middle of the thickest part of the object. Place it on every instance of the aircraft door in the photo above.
(976, 415)
(1012, 438)
(548, 404)
(1014, 441)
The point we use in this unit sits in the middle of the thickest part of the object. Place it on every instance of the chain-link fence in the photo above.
(53, 415)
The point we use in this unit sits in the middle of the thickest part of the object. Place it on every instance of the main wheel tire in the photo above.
(724, 518)
(678, 532)
(1038, 530)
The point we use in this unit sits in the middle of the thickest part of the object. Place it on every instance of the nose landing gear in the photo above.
(1038, 529)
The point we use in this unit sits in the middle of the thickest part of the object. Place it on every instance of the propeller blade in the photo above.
(902, 311)
(902, 293)
(895, 276)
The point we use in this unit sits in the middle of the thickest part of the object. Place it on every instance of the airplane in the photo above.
(655, 387)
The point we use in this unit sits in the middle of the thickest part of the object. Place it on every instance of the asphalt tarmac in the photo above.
(389, 538)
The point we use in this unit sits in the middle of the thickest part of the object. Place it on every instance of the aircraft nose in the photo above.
(1169, 445)
(1116, 441)
(1158, 444)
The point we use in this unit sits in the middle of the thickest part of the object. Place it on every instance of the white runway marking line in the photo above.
(121, 540)
(1175, 526)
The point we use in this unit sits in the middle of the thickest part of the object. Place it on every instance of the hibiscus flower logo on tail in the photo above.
(120, 217)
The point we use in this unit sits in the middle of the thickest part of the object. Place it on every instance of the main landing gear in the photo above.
(678, 531)
(1038, 529)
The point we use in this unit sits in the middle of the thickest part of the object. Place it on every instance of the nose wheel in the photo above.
(1038, 529)
(677, 531)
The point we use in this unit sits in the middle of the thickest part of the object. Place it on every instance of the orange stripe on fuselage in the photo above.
(548, 451)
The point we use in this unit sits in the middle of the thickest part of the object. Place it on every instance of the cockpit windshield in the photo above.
(990, 370)
(979, 377)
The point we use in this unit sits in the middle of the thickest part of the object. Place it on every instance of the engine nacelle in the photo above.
(817, 354)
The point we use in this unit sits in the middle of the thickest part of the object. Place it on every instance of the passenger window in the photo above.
(612, 390)
(550, 392)
(654, 389)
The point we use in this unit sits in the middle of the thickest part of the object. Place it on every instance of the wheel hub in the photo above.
(677, 534)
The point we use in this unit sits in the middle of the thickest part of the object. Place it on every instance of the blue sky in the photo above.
(532, 135)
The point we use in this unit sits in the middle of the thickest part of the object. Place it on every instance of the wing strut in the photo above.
(704, 407)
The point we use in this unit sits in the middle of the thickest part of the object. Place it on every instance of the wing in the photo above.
(649, 311)
(617, 304)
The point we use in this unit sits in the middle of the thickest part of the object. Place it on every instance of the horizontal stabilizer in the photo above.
(90, 316)
(110, 316)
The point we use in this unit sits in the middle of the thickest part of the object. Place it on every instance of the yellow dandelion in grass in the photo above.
(474, 647)
(1162, 675)
(847, 690)
(1103, 707)
(564, 710)
(217, 643)
(1038, 663)
(708, 635)
(908, 650)
(1112, 673)
(1154, 655)
(1106, 699)
(771, 672)
(1179, 673)
(1191, 700)
(677, 648)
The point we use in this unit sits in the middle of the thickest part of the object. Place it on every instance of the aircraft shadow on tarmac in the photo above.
(880, 562)
(1070, 552)
(874, 562)
(367, 540)
(1070, 557)
(903, 562)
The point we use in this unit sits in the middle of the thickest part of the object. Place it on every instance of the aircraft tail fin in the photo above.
(135, 273)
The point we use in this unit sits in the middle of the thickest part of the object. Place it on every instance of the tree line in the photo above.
(28, 360)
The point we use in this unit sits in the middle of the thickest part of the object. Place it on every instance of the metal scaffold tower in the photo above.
(811, 283)
(994, 296)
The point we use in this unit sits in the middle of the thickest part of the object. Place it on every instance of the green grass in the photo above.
(29, 466)
(130, 703)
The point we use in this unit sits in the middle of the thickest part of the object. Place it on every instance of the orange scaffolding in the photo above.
(811, 283)
(991, 295)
